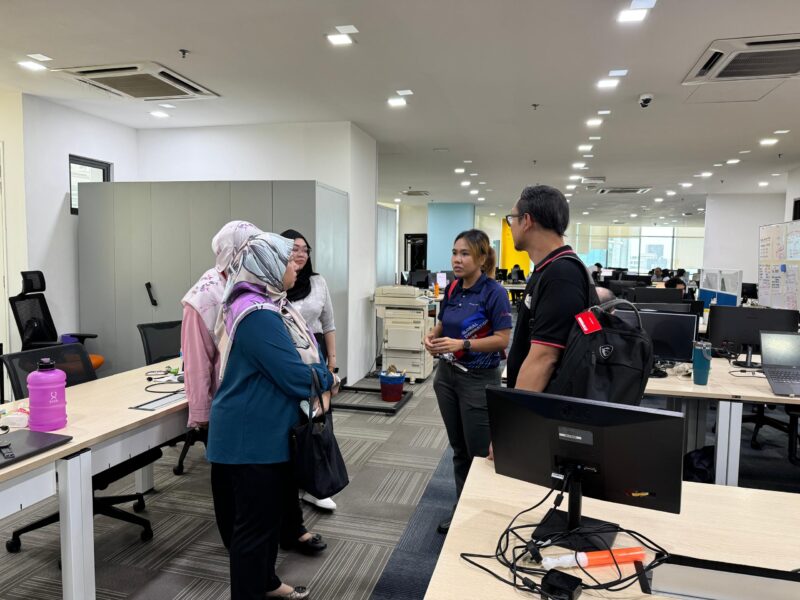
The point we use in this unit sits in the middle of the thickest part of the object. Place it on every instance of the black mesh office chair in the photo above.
(162, 341)
(33, 318)
(75, 362)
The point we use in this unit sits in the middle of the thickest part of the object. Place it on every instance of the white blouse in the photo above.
(316, 308)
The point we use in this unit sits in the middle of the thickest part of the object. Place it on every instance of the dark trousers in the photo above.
(462, 402)
(250, 504)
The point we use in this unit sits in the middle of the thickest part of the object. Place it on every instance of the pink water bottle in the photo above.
(47, 396)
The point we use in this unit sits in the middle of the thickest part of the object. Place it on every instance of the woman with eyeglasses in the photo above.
(310, 296)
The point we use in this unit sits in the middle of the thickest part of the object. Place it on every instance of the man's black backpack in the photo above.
(611, 364)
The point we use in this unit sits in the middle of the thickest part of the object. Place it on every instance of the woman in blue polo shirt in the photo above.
(473, 330)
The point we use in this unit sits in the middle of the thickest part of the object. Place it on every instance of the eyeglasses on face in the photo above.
(510, 218)
(301, 250)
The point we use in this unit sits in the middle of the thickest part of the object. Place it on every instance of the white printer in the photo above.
(404, 310)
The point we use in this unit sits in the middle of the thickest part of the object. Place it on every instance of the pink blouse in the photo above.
(200, 365)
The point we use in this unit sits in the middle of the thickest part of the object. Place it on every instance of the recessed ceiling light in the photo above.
(567, 196)
(660, 217)
(467, 162)
(586, 212)
(492, 215)
(776, 174)
(607, 84)
(481, 199)
(39, 57)
(594, 122)
(578, 223)
(763, 183)
(474, 192)
(159, 114)
(744, 151)
(585, 148)
(405, 93)
(473, 174)
(634, 215)
(701, 209)
(571, 186)
(588, 156)
(595, 137)
(575, 177)
(489, 190)
(674, 220)
(578, 165)
(351, 29)
(632, 15)
(658, 199)
(768, 142)
(780, 131)
(705, 174)
(465, 183)
(615, 221)
(717, 164)
(340, 39)
(458, 170)
(481, 183)
(603, 112)
(732, 161)
(686, 184)
(398, 200)
(397, 102)
(167, 105)
(31, 65)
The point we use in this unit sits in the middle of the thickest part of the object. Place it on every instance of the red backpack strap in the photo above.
(451, 288)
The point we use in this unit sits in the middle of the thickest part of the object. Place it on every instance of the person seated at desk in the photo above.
(517, 275)
(676, 283)
(657, 275)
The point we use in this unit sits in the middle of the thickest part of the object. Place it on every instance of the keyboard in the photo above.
(785, 375)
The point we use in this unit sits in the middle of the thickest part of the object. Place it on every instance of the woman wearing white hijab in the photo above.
(268, 356)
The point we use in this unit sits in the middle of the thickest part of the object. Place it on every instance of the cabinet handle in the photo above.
(149, 289)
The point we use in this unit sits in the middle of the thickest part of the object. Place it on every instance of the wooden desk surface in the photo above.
(99, 410)
(730, 524)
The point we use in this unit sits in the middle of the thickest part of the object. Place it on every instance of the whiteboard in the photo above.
(778, 265)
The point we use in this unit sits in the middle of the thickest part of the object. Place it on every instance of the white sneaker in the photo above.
(323, 503)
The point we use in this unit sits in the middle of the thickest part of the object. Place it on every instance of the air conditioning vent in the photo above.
(746, 59)
(593, 180)
(141, 81)
(416, 193)
(623, 190)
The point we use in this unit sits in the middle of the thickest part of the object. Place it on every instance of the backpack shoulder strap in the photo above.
(450, 289)
(591, 293)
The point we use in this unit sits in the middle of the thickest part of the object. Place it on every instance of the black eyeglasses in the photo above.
(510, 218)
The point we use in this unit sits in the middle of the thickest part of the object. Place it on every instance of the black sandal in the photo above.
(313, 545)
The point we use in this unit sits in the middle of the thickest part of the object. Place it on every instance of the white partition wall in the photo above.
(131, 234)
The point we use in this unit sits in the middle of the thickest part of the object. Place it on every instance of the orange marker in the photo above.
(600, 558)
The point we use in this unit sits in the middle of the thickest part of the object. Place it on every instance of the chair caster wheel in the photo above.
(147, 535)
(178, 470)
(138, 506)
(13, 545)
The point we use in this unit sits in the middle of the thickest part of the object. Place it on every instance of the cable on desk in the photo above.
(746, 373)
(533, 547)
(158, 390)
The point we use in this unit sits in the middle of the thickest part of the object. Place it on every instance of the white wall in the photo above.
(732, 222)
(413, 219)
(792, 193)
(52, 133)
(338, 154)
(13, 229)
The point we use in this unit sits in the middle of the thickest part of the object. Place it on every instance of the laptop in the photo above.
(780, 360)
(23, 443)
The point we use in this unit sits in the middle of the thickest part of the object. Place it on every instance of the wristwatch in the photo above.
(467, 345)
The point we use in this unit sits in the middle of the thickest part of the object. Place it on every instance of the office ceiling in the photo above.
(475, 68)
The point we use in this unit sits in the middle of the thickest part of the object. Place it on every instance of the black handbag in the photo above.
(319, 468)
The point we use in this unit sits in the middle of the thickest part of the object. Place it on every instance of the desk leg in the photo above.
(734, 443)
(723, 442)
(145, 480)
(77, 526)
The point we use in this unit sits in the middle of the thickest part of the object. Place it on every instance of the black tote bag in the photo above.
(318, 464)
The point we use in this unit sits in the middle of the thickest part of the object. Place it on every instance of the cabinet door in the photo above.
(210, 210)
(96, 270)
(171, 257)
(252, 201)
(133, 263)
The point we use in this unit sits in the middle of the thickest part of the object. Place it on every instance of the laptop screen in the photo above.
(780, 349)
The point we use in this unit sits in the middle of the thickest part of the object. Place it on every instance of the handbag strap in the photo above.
(316, 390)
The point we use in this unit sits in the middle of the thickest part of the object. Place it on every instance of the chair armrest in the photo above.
(81, 337)
(34, 345)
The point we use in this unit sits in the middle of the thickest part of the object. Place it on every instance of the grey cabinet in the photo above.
(131, 234)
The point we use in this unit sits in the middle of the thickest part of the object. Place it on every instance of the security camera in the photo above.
(645, 100)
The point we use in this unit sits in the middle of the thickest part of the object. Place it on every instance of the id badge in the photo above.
(528, 301)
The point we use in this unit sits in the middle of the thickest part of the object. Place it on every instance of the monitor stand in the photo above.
(557, 522)
(748, 362)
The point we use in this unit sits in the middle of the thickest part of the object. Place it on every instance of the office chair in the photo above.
(162, 341)
(760, 420)
(75, 362)
(34, 321)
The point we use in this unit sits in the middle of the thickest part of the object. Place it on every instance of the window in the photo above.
(85, 170)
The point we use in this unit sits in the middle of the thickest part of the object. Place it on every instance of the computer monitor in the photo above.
(606, 273)
(749, 291)
(653, 294)
(622, 289)
(643, 279)
(614, 452)
(501, 274)
(739, 328)
(694, 307)
(673, 334)
(404, 277)
(420, 279)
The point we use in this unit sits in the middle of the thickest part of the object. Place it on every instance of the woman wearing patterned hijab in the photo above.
(268, 359)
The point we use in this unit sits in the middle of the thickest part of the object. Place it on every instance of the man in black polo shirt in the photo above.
(538, 222)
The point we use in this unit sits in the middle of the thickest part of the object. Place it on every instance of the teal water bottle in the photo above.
(701, 362)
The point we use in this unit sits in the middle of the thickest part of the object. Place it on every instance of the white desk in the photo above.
(735, 525)
(105, 432)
